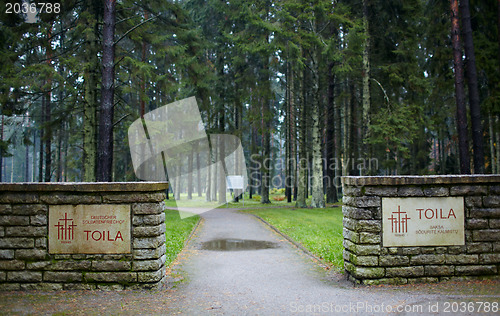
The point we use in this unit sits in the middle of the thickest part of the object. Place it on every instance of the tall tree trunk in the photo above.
(346, 131)
(288, 140)
(90, 131)
(48, 114)
(59, 153)
(497, 119)
(40, 149)
(317, 190)
(266, 156)
(142, 92)
(12, 168)
(475, 107)
(1, 145)
(105, 145)
(498, 29)
(61, 131)
(253, 153)
(492, 145)
(26, 162)
(33, 168)
(177, 185)
(287, 166)
(366, 83)
(215, 174)
(198, 173)
(497, 140)
(238, 108)
(266, 100)
(190, 175)
(293, 134)
(442, 155)
(208, 192)
(222, 171)
(302, 177)
(65, 150)
(463, 142)
(222, 155)
(90, 104)
(353, 130)
(338, 145)
(48, 139)
(331, 190)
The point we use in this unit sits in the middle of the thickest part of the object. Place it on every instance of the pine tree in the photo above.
(105, 143)
(463, 145)
(471, 74)
(90, 22)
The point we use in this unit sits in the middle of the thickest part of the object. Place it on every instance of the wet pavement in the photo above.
(235, 265)
(283, 280)
(231, 244)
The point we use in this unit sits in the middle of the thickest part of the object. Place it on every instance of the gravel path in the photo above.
(281, 280)
(278, 281)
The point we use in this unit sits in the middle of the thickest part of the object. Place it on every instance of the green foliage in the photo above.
(239, 58)
(277, 191)
(390, 127)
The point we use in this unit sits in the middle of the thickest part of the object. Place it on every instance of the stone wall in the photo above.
(25, 261)
(367, 261)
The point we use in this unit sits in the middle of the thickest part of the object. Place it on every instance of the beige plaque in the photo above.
(433, 221)
(89, 228)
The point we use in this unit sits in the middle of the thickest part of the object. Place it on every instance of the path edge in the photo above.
(193, 231)
(171, 281)
(318, 260)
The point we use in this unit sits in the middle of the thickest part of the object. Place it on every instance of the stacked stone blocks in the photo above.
(366, 261)
(26, 264)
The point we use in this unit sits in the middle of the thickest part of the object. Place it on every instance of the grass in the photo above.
(177, 232)
(318, 230)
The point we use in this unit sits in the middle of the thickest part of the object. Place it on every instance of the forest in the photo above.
(314, 89)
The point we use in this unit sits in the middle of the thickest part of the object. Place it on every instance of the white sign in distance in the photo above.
(89, 229)
(432, 221)
(235, 182)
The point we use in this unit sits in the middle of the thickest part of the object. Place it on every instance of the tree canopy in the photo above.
(315, 89)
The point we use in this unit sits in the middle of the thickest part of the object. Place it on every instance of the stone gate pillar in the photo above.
(62, 236)
(405, 229)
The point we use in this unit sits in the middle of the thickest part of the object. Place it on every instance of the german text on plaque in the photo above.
(89, 229)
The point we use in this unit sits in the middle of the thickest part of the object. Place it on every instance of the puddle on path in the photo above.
(231, 244)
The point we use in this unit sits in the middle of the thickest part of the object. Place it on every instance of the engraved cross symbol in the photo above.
(65, 231)
(399, 224)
